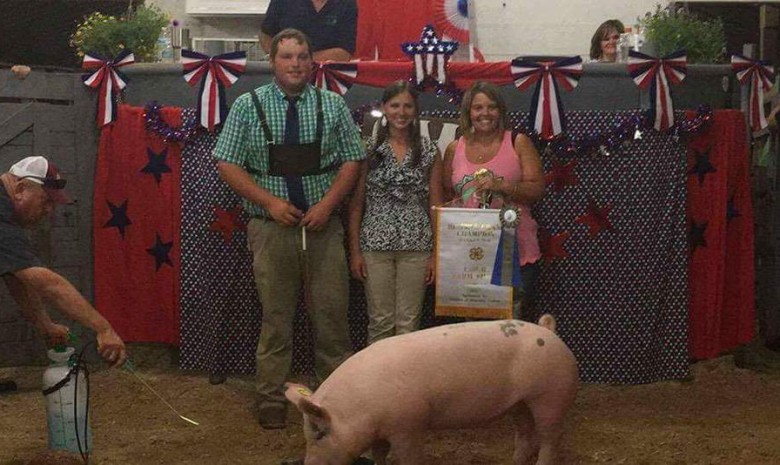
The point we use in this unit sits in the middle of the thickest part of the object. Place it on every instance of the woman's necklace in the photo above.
(483, 151)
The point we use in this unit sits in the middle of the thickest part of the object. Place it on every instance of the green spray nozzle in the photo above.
(61, 347)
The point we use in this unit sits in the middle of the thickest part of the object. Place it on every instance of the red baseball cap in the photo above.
(41, 171)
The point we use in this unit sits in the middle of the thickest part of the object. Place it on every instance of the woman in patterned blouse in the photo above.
(390, 233)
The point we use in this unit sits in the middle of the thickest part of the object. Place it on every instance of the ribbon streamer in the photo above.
(215, 74)
(506, 270)
(430, 55)
(758, 75)
(334, 76)
(108, 80)
(546, 107)
(656, 74)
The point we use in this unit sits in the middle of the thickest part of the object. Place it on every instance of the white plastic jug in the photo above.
(66, 406)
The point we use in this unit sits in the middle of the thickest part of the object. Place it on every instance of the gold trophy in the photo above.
(484, 197)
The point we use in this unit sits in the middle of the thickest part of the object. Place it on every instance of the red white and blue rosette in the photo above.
(334, 76)
(215, 74)
(758, 75)
(451, 18)
(546, 108)
(656, 74)
(108, 80)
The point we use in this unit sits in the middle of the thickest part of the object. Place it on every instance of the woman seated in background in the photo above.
(604, 43)
(512, 174)
(390, 233)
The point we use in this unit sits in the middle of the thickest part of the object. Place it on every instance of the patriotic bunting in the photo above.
(758, 75)
(430, 55)
(645, 71)
(546, 108)
(336, 77)
(214, 74)
(108, 80)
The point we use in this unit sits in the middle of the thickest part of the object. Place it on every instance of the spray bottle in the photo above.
(67, 401)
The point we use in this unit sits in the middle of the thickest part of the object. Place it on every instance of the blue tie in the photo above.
(292, 127)
(292, 130)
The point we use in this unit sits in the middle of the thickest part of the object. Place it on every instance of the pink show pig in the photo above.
(386, 397)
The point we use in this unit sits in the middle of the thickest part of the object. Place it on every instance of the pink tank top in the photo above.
(505, 164)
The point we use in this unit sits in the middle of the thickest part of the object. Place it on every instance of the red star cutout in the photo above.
(552, 245)
(596, 218)
(562, 175)
(227, 222)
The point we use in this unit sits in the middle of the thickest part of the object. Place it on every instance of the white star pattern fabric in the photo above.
(621, 297)
(220, 311)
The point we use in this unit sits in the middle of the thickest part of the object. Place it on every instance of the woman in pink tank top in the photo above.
(516, 170)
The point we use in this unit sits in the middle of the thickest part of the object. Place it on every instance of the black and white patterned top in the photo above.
(396, 210)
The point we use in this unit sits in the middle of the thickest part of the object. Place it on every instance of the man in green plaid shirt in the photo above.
(291, 185)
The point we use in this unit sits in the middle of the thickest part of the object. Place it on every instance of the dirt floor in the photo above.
(722, 415)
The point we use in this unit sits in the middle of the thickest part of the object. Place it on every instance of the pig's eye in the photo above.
(319, 433)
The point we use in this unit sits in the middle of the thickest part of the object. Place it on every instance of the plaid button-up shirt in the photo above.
(243, 143)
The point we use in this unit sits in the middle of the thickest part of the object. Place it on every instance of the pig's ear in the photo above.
(294, 392)
(300, 395)
(314, 410)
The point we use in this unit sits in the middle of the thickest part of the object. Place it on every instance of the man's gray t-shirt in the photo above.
(16, 251)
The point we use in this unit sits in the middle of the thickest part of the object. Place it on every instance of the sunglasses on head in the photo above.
(49, 182)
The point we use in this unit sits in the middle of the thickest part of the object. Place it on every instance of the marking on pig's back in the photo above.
(508, 328)
(540, 342)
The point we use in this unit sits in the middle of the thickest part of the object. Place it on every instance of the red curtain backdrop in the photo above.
(720, 218)
(384, 25)
(136, 223)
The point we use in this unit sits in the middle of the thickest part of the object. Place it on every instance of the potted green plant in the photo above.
(138, 30)
(670, 29)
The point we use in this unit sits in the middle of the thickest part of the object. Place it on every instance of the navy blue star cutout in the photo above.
(731, 210)
(696, 235)
(119, 218)
(703, 165)
(156, 166)
(160, 252)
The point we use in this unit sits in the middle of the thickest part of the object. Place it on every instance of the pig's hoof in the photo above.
(292, 462)
(217, 378)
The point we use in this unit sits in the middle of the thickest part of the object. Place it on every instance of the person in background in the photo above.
(514, 174)
(390, 216)
(331, 25)
(29, 191)
(293, 153)
(604, 43)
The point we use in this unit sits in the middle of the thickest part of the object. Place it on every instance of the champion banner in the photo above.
(613, 234)
(467, 241)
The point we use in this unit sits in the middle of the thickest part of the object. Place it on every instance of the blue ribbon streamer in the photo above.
(497, 278)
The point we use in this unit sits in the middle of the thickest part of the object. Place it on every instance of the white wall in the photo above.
(233, 26)
(504, 29)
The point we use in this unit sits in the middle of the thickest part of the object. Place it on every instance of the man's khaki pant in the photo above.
(395, 288)
(280, 268)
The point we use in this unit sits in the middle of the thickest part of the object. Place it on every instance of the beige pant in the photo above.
(280, 268)
(395, 288)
